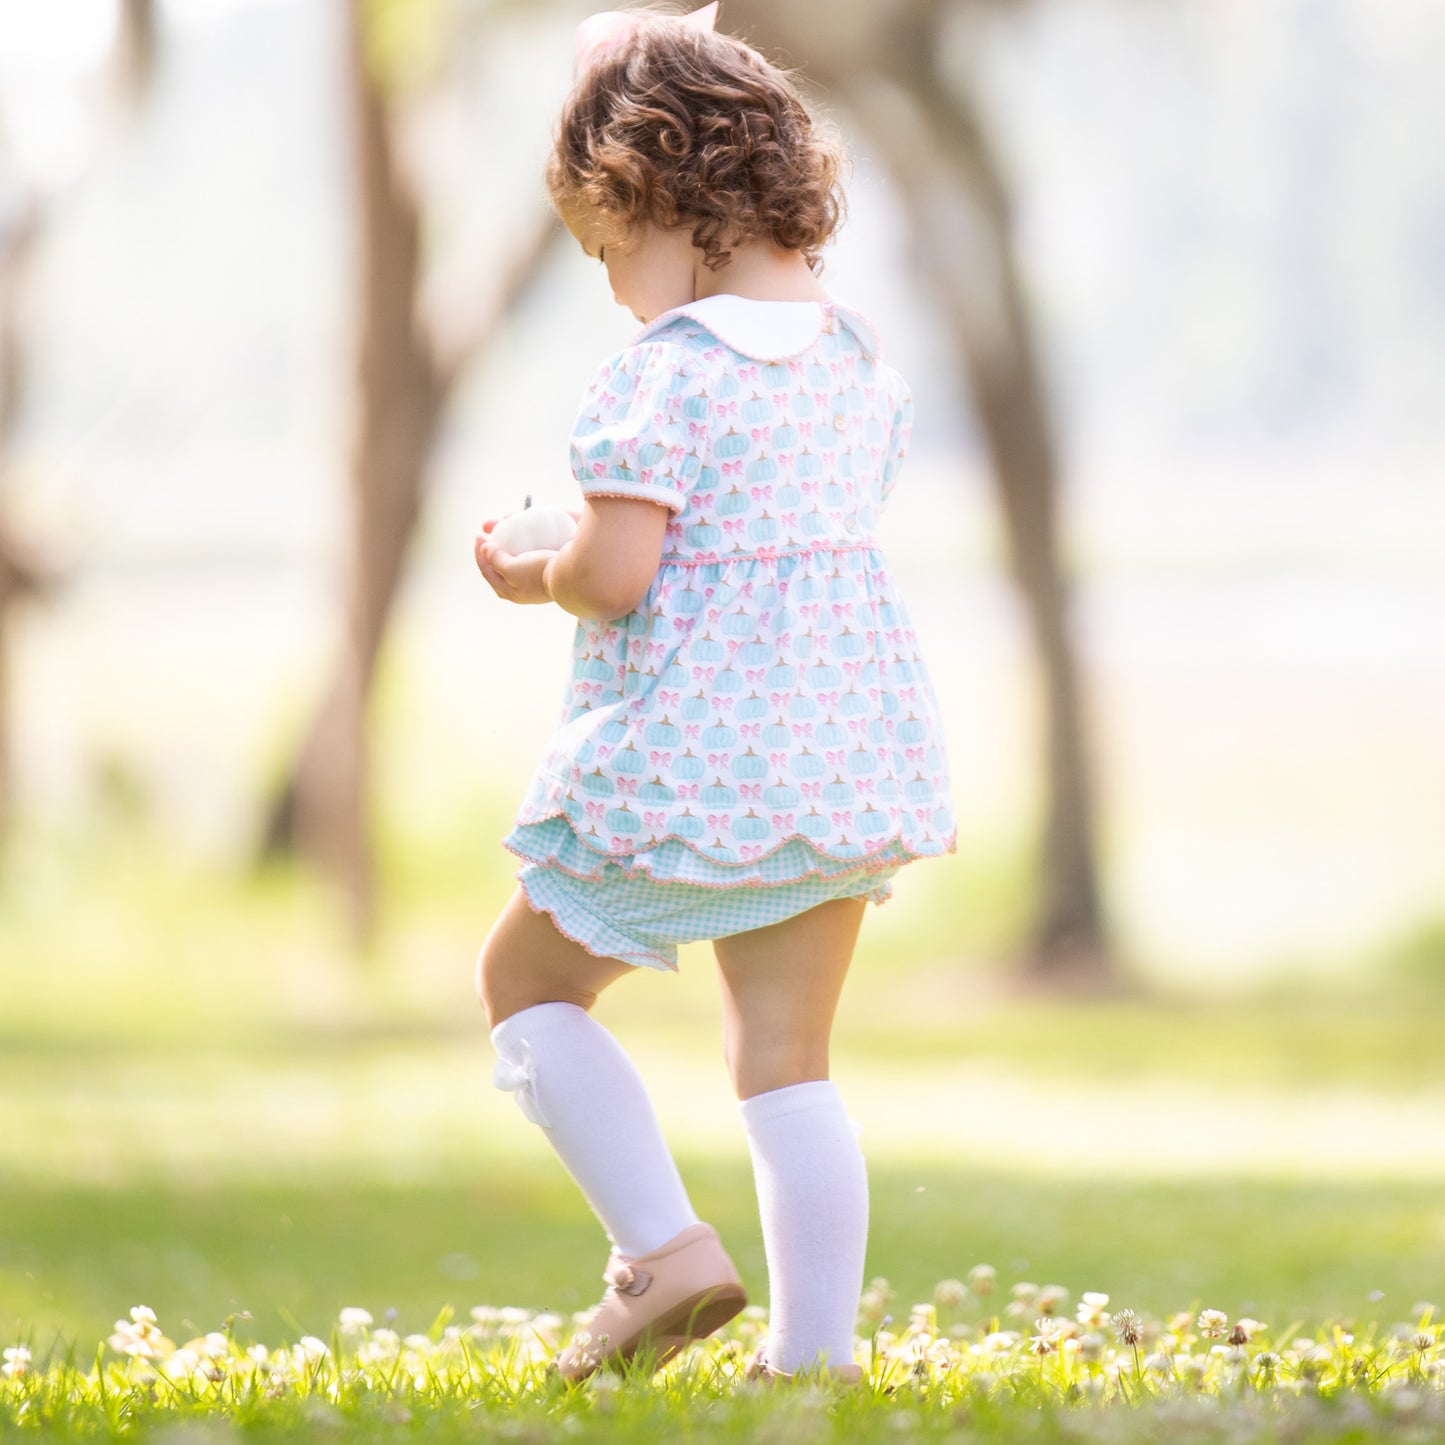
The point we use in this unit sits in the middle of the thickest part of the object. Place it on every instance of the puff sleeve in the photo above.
(900, 431)
(643, 427)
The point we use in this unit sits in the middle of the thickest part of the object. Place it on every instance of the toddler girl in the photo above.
(750, 748)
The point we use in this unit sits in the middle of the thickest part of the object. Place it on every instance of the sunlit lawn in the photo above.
(209, 1107)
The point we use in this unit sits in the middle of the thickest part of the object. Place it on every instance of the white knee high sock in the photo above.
(572, 1077)
(813, 1198)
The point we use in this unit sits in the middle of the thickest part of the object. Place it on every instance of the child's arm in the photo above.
(602, 573)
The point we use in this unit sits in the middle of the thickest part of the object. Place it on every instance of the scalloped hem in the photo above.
(673, 859)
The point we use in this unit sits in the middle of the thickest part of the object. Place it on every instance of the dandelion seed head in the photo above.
(1051, 1296)
(1126, 1322)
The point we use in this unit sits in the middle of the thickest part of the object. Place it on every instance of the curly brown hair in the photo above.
(681, 126)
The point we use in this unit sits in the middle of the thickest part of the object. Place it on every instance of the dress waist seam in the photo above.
(764, 554)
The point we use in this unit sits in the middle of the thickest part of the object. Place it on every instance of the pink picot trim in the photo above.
(869, 862)
(540, 908)
(675, 503)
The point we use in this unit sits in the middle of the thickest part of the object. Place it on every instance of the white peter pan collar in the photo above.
(767, 330)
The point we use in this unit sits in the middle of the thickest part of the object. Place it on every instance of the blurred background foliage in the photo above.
(1169, 281)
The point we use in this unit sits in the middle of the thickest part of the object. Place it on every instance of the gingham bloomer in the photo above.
(763, 716)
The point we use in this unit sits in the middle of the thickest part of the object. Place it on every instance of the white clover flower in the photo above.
(485, 1314)
(1212, 1323)
(17, 1361)
(1046, 1339)
(949, 1294)
(258, 1354)
(1126, 1322)
(981, 1279)
(1051, 1296)
(1091, 1348)
(353, 1318)
(1267, 1362)
(143, 1315)
(312, 1349)
(419, 1344)
(1001, 1340)
(1093, 1309)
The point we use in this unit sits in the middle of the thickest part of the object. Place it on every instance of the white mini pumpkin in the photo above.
(534, 529)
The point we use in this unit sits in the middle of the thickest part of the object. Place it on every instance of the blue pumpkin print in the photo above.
(785, 437)
(764, 595)
(675, 674)
(888, 614)
(739, 623)
(689, 766)
(687, 824)
(696, 706)
(835, 494)
(719, 794)
(869, 674)
(861, 761)
(623, 820)
(781, 795)
(782, 674)
(878, 731)
(870, 822)
(719, 735)
(847, 643)
(599, 451)
(813, 824)
(750, 827)
(763, 528)
(656, 791)
(697, 406)
(689, 467)
(904, 670)
(622, 382)
(802, 706)
(613, 730)
(823, 675)
(776, 375)
(628, 760)
(826, 436)
(709, 478)
(755, 653)
(802, 404)
(728, 680)
(807, 764)
(762, 469)
(719, 852)
(873, 429)
(809, 588)
(752, 706)
(888, 788)
(757, 409)
(732, 502)
(830, 734)
(788, 495)
(803, 645)
(729, 385)
(588, 425)
(689, 600)
(815, 523)
(707, 648)
(732, 443)
(918, 789)
(910, 730)
(650, 453)
(750, 765)
(941, 819)
(808, 464)
(586, 750)
(777, 735)
(840, 587)
(784, 619)
(819, 377)
(598, 784)
(837, 791)
(599, 669)
(889, 703)
(663, 733)
(703, 535)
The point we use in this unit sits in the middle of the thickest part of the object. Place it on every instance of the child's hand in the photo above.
(512, 576)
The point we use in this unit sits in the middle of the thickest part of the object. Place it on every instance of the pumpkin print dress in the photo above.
(759, 735)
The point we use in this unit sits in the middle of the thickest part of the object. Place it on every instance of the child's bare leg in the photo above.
(573, 1079)
(780, 991)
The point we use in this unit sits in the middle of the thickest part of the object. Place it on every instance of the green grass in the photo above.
(211, 1107)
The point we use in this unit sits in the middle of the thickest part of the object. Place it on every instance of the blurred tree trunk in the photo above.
(884, 64)
(22, 574)
(137, 47)
(404, 374)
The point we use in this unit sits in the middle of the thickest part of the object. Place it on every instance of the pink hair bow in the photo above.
(598, 34)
